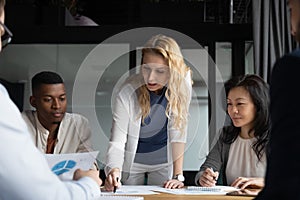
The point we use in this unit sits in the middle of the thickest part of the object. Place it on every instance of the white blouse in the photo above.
(242, 161)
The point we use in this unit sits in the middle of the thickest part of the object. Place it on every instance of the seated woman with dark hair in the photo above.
(240, 153)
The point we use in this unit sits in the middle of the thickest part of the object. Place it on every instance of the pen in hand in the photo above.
(215, 178)
(115, 187)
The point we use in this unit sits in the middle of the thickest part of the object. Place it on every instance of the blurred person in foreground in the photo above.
(282, 179)
(24, 171)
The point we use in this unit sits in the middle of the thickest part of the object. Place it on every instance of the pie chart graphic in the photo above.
(63, 167)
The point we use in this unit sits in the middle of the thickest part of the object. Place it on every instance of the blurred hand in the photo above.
(92, 173)
(244, 182)
(208, 178)
(172, 184)
(111, 180)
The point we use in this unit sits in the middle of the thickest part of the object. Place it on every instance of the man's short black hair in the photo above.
(45, 77)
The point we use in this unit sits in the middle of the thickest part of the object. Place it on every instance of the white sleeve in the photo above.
(115, 153)
(24, 171)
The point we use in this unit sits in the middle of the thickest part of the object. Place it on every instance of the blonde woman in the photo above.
(150, 116)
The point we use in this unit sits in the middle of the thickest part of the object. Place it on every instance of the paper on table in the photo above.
(64, 165)
(195, 190)
(216, 188)
(133, 190)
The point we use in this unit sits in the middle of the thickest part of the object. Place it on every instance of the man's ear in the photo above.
(32, 101)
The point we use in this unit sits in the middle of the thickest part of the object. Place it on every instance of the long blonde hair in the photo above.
(177, 92)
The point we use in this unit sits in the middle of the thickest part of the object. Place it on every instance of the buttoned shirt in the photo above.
(74, 134)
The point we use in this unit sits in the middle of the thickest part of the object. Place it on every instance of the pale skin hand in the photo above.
(244, 182)
(208, 178)
(111, 180)
(172, 184)
(92, 173)
(177, 152)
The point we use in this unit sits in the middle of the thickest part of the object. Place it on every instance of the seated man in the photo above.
(53, 130)
(25, 173)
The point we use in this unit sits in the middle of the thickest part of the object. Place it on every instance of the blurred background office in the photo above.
(219, 39)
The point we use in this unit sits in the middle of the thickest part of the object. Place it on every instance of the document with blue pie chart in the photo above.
(64, 165)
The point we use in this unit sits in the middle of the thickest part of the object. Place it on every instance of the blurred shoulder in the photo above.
(287, 66)
(295, 53)
(291, 57)
(28, 114)
(3, 91)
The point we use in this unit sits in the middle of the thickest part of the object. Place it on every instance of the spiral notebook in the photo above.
(211, 190)
(205, 189)
(196, 190)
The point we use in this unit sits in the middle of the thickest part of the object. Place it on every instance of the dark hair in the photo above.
(259, 92)
(45, 77)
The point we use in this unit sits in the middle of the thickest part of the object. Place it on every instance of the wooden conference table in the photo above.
(168, 196)
(163, 196)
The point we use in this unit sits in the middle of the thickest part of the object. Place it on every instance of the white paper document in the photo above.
(133, 190)
(196, 190)
(152, 189)
(64, 165)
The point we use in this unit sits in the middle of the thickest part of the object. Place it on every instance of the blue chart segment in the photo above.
(63, 166)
